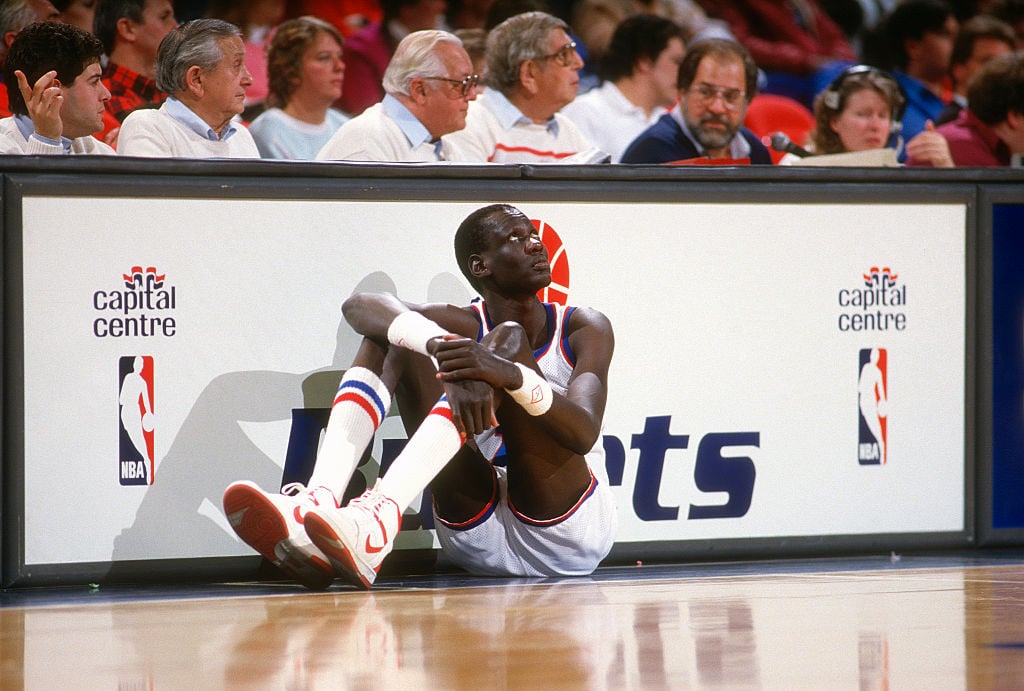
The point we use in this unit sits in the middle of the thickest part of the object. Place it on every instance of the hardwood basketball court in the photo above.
(885, 622)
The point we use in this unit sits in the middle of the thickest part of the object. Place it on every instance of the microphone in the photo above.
(782, 143)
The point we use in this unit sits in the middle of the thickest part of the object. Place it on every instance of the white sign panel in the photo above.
(780, 370)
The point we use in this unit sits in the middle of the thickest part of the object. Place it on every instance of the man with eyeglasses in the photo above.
(532, 73)
(429, 84)
(717, 80)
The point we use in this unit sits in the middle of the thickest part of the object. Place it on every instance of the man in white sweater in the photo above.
(52, 72)
(201, 65)
(428, 85)
(532, 73)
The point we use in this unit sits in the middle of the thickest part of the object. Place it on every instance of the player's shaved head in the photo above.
(473, 234)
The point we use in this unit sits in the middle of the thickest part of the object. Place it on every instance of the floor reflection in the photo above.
(936, 628)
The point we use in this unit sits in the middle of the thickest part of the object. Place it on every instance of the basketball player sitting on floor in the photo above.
(538, 370)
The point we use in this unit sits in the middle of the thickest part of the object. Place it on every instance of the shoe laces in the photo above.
(318, 496)
(373, 500)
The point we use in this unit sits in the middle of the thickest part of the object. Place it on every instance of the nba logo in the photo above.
(135, 427)
(873, 399)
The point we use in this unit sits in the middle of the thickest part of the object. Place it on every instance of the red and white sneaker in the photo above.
(358, 537)
(272, 524)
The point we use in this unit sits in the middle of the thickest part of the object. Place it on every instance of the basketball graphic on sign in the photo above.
(558, 289)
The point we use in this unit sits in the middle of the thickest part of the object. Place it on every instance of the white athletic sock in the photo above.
(359, 407)
(425, 454)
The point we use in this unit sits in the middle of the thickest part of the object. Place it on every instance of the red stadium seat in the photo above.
(769, 113)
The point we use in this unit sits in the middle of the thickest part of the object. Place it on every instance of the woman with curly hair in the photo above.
(306, 74)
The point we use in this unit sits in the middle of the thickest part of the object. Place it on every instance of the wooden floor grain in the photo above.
(757, 627)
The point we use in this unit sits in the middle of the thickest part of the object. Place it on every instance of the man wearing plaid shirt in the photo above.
(131, 31)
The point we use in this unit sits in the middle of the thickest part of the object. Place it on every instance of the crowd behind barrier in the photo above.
(801, 51)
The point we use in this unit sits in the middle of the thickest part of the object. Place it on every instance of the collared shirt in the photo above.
(187, 117)
(130, 91)
(497, 132)
(509, 115)
(738, 147)
(610, 120)
(973, 143)
(28, 129)
(410, 125)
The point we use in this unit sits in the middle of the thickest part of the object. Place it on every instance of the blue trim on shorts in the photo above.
(478, 519)
(564, 517)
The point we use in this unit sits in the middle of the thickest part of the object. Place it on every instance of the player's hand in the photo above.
(43, 100)
(472, 404)
(461, 359)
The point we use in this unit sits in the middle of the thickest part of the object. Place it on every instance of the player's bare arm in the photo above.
(574, 420)
(372, 315)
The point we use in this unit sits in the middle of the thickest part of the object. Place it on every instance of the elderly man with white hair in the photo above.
(428, 86)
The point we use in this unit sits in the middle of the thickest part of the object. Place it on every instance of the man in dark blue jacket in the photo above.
(717, 80)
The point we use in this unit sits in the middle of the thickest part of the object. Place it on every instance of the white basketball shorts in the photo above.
(502, 542)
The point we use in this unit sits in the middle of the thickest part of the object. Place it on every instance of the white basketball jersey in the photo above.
(555, 358)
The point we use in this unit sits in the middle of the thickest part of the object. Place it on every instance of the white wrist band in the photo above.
(412, 330)
(535, 394)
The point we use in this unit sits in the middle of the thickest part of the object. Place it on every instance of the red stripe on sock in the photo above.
(364, 404)
(444, 411)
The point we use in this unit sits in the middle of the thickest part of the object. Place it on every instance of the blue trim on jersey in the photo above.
(550, 325)
(570, 356)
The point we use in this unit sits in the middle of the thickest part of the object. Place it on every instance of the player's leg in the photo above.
(272, 522)
(358, 537)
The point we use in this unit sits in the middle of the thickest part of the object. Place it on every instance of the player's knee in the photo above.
(508, 339)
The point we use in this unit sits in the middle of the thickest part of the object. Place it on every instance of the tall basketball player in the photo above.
(505, 428)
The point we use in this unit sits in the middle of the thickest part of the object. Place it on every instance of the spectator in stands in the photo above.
(347, 16)
(639, 71)
(131, 31)
(990, 131)
(1011, 12)
(796, 43)
(58, 102)
(980, 39)
(306, 76)
(920, 34)
(256, 19)
(15, 15)
(429, 84)
(595, 21)
(201, 64)
(77, 12)
(860, 111)
(369, 50)
(467, 14)
(532, 73)
(717, 80)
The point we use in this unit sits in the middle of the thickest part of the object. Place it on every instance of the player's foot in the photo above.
(272, 525)
(358, 537)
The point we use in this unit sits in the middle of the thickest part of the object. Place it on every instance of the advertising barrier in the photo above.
(783, 372)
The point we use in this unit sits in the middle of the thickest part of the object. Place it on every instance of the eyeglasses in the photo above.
(564, 55)
(732, 98)
(464, 86)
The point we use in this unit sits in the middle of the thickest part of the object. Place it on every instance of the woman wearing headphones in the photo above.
(861, 111)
